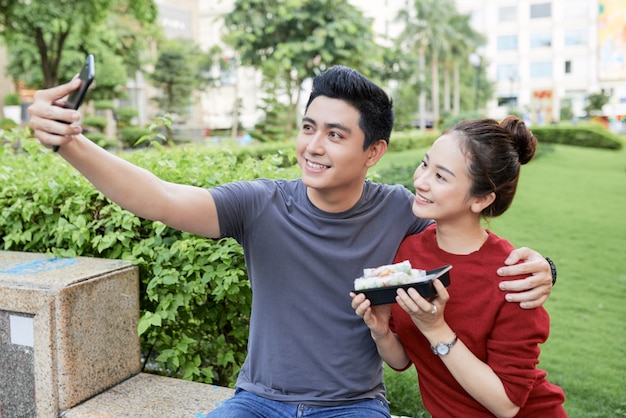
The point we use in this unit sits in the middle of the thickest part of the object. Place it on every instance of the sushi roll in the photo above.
(389, 275)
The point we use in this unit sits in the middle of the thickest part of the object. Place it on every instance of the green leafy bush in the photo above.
(398, 174)
(12, 99)
(126, 114)
(131, 134)
(7, 123)
(95, 121)
(451, 120)
(405, 140)
(102, 140)
(195, 296)
(103, 105)
(584, 135)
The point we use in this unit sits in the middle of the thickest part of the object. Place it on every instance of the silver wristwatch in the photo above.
(442, 349)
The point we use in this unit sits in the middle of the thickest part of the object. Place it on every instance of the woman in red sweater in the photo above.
(475, 353)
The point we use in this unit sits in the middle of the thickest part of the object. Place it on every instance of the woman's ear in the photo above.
(480, 203)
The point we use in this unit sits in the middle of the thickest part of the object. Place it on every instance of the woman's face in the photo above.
(442, 182)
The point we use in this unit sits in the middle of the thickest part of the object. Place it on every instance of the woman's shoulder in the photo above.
(496, 243)
(425, 239)
(387, 189)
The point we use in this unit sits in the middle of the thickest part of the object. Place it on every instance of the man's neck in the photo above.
(335, 201)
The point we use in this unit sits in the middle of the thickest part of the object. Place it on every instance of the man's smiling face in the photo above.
(329, 148)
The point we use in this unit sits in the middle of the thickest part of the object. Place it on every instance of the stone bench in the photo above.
(149, 396)
(69, 345)
(68, 331)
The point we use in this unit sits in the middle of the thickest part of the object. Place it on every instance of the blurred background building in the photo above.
(544, 55)
(541, 55)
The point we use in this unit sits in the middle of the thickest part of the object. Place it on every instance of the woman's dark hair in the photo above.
(374, 106)
(496, 152)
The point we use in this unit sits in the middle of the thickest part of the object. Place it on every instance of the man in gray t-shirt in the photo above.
(306, 344)
(305, 241)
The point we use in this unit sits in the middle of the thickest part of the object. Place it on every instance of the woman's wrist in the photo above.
(443, 333)
(381, 337)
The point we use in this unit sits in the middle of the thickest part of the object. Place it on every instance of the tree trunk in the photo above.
(457, 89)
(446, 88)
(234, 128)
(434, 74)
(422, 95)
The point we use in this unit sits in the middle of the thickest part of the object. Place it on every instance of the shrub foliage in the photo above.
(586, 135)
(195, 296)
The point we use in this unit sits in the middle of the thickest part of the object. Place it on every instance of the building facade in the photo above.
(547, 55)
(543, 56)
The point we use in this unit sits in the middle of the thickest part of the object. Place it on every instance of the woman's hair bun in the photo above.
(524, 141)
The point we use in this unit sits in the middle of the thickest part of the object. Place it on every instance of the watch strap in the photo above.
(552, 270)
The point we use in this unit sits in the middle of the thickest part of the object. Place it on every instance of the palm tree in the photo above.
(440, 15)
(464, 41)
(429, 33)
(414, 40)
(438, 35)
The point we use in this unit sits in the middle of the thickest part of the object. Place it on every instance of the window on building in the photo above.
(541, 40)
(507, 101)
(540, 69)
(228, 72)
(507, 43)
(578, 67)
(577, 8)
(507, 72)
(540, 10)
(575, 37)
(507, 14)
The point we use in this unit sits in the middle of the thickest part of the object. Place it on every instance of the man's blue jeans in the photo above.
(247, 405)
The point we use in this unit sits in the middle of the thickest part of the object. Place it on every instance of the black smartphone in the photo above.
(75, 99)
(87, 75)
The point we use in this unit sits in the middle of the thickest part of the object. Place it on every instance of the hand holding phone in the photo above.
(75, 99)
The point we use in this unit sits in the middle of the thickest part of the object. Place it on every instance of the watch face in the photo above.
(442, 349)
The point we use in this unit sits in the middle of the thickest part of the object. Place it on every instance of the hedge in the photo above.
(584, 135)
(195, 296)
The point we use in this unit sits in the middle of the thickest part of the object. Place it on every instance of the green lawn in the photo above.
(570, 206)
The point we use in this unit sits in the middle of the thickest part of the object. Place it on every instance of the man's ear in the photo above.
(376, 152)
(480, 203)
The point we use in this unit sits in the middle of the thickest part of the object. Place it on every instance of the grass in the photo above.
(570, 206)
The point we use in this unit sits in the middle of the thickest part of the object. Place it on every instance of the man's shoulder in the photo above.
(262, 184)
(387, 189)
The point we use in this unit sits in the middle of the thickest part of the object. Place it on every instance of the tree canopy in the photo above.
(48, 40)
(435, 33)
(178, 72)
(292, 40)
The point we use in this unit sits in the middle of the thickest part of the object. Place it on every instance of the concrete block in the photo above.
(68, 330)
